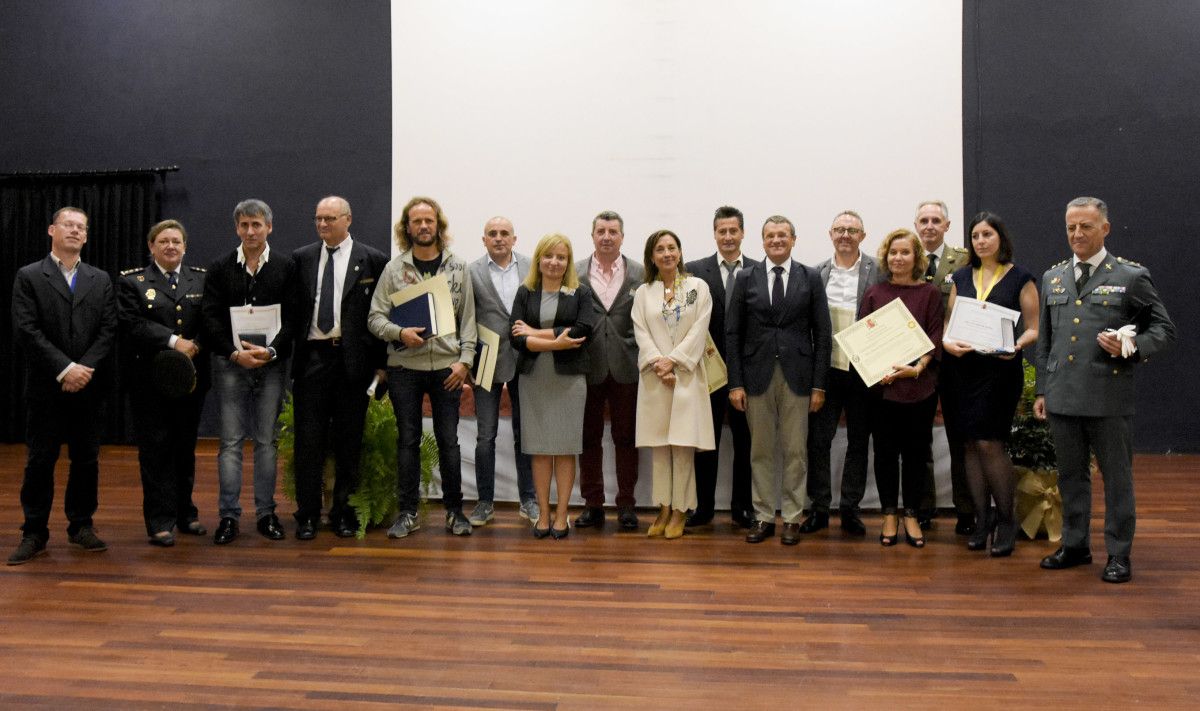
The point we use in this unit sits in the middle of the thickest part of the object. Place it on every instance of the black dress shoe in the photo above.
(965, 525)
(227, 530)
(760, 531)
(925, 521)
(853, 525)
(744, 518)
(305, 530)
(1118, 570)
(627, 517)
(791, 534)
(698, 519)
(345, 528)
(1067, 558)
(592, 517)
(815, 522)
(270, 528)
(192, 528)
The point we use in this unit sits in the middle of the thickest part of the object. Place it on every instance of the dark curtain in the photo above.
(121, 208)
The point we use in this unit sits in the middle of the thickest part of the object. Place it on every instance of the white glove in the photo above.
(1126, 334)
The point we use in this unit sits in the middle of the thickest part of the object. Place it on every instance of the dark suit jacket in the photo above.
(576, 312)
(709, 269)
(612, 348)
(869, 273)
(362, 352)
(151, 313)
(55, 327)
(228, 284)
(798, 336)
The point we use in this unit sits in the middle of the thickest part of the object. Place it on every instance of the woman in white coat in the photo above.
(674, 417)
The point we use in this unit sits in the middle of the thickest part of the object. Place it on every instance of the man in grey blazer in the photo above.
(846, 277)
(931, 223)
(613, 378)
(778, 343)
(1085, 381)
(494, 281)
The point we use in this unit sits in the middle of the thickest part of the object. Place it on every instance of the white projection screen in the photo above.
(549, 111)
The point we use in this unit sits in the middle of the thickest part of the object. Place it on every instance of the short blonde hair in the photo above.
(920, 260)
(533, 281)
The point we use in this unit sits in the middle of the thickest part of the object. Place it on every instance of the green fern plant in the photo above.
(375, 499)
(1030, 444)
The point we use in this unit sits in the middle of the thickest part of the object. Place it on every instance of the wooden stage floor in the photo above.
(599, 620)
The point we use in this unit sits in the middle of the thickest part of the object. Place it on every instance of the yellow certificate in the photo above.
(889, 336)
(842, 319)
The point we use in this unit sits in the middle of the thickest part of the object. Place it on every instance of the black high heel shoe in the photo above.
(540, 533)
(1005, 540)
(889, 540)
(915, 542)
(559, 534)
(984, 527)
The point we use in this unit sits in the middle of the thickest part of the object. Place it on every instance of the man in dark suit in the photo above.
(1101, 316)
(335, 361)
(613, 377)
(64, 320)
(931, 223)
(249, 377)
(846, 277)
(719, 271)
(160, 312)
(495, 278)
(778, 339)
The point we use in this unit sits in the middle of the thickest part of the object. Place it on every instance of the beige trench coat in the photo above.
(680, 416)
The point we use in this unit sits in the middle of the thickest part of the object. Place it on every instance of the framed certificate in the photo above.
(983, 326)
(889, 336)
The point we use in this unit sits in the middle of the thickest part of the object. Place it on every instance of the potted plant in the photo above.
(375, 499)
(1039, 504)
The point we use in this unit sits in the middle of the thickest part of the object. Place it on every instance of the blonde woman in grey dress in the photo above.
(674, 415)
(552, 316)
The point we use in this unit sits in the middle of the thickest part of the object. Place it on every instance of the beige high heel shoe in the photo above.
(676, 524)
(660, 524)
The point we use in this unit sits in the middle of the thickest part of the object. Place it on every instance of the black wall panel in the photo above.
(1101, 98)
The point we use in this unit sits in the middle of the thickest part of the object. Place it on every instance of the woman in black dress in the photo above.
(987, 386)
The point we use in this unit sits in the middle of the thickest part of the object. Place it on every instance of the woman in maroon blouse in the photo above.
(905, 400)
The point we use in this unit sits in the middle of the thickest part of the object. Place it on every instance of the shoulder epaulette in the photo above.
(135, 270)
(202, 270)
(1130, 262)
(1063, 263)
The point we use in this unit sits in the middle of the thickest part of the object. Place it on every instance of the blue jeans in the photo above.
(407, 389)
(250, 402)
(487, 421)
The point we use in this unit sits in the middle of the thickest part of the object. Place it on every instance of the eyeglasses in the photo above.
(73, 225)
(841, 231)
(322, 219)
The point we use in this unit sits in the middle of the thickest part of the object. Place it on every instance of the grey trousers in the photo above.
(778, 416)
(1112, 441)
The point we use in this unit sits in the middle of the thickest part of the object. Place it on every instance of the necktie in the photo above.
(777, 289)
(730, 267)
(325, 305)
(932, 268)
(1085, 271)
(172, 280)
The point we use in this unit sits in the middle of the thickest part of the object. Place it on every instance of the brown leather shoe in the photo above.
(791, 534)
(760, 531)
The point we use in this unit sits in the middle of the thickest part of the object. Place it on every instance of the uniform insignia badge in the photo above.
(1055, 280)
(141, 277)
(150, 294)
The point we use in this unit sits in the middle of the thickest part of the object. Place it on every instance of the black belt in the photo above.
(325, 343)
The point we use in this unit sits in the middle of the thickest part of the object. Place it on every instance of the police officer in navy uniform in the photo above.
(1085, 381)
(160, 311)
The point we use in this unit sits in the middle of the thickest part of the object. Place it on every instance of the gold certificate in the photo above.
(889, 336)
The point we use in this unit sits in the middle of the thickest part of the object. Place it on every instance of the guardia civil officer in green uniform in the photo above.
(160, 313)
(1085, 381)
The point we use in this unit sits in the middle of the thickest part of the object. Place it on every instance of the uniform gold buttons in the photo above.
(1078, 302)
(1076, 319)
(1071, 357)
(1074, 338)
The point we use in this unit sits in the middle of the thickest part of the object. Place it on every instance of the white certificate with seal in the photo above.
(258, 325)
(985, 327)
(889, 336)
